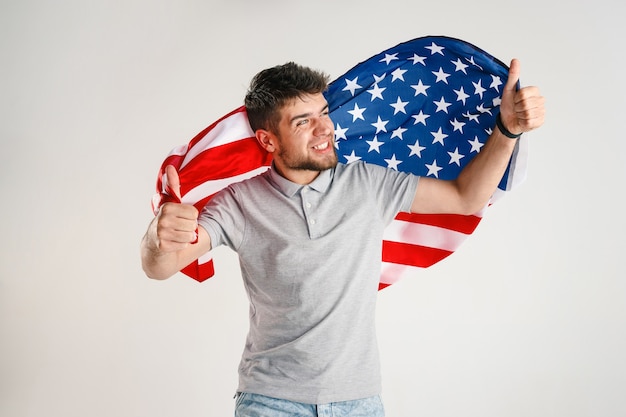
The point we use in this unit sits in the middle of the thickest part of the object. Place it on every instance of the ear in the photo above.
(266, 139)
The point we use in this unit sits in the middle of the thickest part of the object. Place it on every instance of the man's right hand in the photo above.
(169, 244)
(176, 224)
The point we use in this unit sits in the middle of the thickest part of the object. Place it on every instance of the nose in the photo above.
(322, 127)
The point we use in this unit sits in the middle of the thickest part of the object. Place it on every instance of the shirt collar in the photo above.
(289, 189)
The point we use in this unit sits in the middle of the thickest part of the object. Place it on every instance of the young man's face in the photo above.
(305, 137)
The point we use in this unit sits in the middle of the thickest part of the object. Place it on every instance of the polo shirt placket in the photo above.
(310, 199)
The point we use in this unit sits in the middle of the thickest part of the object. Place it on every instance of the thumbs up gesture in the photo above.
(520, 110)
(176, 224)
(171, 184)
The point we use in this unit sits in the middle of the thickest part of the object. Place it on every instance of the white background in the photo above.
(527, 318)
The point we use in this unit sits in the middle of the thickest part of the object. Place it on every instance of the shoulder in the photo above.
(358, 168)
(230, 189)
(366, 171)
(251, 182)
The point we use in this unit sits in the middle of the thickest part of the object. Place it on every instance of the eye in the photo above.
(302, 122)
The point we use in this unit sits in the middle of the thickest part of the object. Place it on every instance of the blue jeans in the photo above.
(255, 405)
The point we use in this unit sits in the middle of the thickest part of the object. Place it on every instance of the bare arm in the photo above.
(521, 111)
(167, 246)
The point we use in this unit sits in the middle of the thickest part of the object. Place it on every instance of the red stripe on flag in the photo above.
(456, 222)
(223, 161)
(412, 255)
(199, 271)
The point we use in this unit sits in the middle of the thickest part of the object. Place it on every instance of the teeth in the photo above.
(321, 147)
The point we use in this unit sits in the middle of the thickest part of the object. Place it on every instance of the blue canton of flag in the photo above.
(426, 106)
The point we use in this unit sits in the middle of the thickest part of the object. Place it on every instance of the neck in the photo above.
(298, 176)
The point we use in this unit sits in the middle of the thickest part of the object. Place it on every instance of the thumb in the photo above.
(507, 104)
(171, 182)
(511, 83)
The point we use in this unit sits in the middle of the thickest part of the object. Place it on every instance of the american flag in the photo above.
(425, 106)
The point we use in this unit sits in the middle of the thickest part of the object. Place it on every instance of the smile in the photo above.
(321, 146)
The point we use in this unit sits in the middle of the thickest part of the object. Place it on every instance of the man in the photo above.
(309, 233)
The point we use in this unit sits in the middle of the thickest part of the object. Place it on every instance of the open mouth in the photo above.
(321, 146)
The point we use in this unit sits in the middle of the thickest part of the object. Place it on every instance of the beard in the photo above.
(307, 163)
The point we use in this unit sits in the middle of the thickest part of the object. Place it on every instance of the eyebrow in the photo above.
(305, 115)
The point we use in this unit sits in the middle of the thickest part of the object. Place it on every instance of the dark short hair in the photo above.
(272, 88)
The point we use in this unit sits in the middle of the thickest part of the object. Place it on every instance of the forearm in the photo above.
(479, 179)
(520, 111)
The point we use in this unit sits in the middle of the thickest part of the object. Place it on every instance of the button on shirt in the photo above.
(310, 260)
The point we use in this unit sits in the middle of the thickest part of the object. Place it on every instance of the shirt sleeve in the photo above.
(223, 219)
(394, 190)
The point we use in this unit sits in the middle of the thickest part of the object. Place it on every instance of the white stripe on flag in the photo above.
(390, 273)
(211, 187)
(179, 150)
(231, 129)
(205, 258)
(423, 235)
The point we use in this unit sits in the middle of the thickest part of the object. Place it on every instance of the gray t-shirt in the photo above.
(310, 258)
